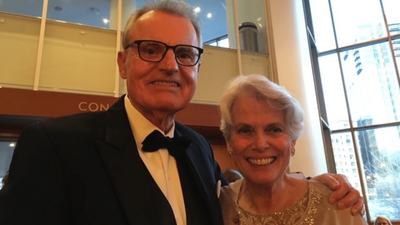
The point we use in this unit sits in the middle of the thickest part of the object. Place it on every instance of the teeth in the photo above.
(166, 83)
(260, 161)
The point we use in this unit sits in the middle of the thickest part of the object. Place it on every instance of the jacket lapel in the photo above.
(203, 177)
(126, 169)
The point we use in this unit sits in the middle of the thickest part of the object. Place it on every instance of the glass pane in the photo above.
(6, 152)
(371, 84)
(19, 41)
(85, 59)
(128, 7)
(345, 158)
(333, 92)
(357, 21)
(252, 26)
(213, 18)
(321, 19)
(92, 13)
(391, 8)
(212, 15)
(23, 7)
(380, 150)
(224, 43)
(396, 48)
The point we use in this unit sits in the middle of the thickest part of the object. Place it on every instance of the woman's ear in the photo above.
(229, 148)
(293, 143)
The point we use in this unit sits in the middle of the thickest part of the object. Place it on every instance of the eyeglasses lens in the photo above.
(155, 52)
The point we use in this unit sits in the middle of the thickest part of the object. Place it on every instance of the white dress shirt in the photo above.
(161, 165)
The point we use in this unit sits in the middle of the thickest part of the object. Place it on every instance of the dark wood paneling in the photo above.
(20, 102)
(20, 107)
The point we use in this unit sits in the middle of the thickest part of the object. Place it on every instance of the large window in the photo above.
(355, 45)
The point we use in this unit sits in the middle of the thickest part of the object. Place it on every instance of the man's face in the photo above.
(159, 86)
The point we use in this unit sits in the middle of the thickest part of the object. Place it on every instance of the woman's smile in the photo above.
(264, 161)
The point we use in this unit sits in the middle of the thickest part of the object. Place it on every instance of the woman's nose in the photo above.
(261, 141)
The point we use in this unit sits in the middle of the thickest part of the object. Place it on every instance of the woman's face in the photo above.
(260, 141)
(382, 222)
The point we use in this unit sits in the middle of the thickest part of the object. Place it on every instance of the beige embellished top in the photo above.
(313, 208)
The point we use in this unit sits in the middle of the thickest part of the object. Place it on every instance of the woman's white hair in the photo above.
(259, 87)
(382, 217)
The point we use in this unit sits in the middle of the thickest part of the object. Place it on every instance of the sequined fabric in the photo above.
(300, 213)
(312, 209)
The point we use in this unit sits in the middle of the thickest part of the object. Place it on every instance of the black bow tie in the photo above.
(156, 140)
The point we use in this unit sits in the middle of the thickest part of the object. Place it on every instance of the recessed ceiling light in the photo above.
(197, 9)
(209, 15)
(12, 144)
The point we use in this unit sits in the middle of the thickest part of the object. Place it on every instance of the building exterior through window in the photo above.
(355, 47)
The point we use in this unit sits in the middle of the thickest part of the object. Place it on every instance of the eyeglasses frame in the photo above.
(138, 42)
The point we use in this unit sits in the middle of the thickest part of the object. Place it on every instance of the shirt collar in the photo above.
(141, 127)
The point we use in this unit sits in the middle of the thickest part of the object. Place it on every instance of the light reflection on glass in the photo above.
(372, 85)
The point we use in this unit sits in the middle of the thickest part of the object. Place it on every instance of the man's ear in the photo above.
(121, 64)
(198, 68)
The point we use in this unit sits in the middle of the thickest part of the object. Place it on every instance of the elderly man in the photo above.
(105, 167)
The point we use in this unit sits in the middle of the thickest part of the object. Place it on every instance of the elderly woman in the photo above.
(382, 220)
(261, 122)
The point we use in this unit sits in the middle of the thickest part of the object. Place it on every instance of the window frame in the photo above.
(326, 131)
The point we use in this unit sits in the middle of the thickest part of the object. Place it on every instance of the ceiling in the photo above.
(93, 12)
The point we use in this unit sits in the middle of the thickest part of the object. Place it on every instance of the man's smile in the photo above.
(168, 83)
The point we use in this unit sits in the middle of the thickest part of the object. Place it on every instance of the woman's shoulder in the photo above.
(230, 192)
(326, 212)
(320, 188)
(228, 199)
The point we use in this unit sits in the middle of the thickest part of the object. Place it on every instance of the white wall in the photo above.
(219, 65)
(295, 73)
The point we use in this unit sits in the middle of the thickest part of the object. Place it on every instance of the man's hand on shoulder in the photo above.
(344, 195)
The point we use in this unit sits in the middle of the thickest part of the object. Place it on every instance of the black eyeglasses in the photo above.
(155, 51)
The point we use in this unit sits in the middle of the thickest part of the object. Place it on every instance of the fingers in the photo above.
(343, 193)
(351, 197)
(348, 199)
(343, 190)
(358, 208)
(328, 180)
(353, 200)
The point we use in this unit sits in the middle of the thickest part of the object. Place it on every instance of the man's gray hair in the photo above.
(167, 6)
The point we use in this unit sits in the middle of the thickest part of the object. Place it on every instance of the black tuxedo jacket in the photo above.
(85, 169)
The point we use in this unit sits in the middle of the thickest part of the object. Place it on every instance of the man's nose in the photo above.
(169, 61)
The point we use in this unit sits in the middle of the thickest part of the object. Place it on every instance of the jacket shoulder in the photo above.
(74, 121)
(189, 132)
